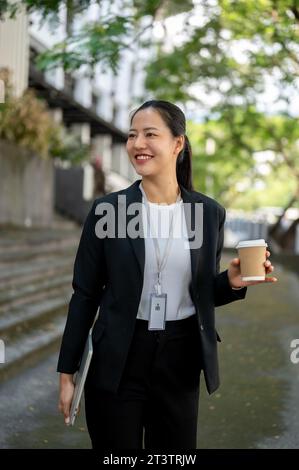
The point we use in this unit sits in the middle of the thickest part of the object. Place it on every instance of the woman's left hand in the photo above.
(234, 273)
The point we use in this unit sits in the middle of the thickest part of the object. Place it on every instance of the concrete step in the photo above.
(19, 238)
(36, 268)
(10, 233)
(23, 243)
(12, 288)
(14, 273)
(29, 349)
(42, 252)
(26, 318)
(33, 291)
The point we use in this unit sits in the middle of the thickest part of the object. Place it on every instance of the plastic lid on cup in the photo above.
(250, 243)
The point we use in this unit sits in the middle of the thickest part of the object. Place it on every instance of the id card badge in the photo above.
(157, 313)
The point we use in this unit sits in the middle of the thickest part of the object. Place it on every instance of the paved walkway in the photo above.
(255, 407)
(29, 413)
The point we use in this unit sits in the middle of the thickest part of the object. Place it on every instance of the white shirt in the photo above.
(176, 275)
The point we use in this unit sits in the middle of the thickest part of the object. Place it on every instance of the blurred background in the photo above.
(71, 72)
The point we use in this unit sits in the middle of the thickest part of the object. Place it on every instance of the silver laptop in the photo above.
(81, 377)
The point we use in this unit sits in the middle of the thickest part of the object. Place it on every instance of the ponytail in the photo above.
(184, 167)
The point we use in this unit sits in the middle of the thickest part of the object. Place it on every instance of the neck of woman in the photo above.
(160, 190)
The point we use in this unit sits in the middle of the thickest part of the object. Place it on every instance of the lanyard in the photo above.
(160, 263)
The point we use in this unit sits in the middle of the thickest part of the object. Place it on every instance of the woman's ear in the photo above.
(180, 144)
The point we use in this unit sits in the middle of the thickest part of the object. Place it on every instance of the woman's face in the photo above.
(151, 147)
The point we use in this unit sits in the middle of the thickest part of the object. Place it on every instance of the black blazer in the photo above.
(108, 273)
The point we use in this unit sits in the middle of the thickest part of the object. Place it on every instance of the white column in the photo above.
(56, 114)
(102, 147)
(124, 162)
(88, 182)
(116, 157)
(83, 131)
(14, 51)
(2, 91)
(120, 161)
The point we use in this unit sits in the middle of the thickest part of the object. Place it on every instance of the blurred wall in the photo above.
(26, 187)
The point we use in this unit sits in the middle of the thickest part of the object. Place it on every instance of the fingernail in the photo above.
(67, 421)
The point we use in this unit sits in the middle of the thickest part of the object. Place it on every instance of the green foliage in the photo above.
(47, 8)
(101, 40)
(276, 191)
(269, 33)
(240, 135)
(68, 147)
(9, 8)
(232, 49)
(161, 9)
(27, 122)
(266, 32)
(95, 42)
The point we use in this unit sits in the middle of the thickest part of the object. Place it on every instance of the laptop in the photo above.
(81, 378)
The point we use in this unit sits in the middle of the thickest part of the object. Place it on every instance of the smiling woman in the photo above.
(157, 297)
(159, 149)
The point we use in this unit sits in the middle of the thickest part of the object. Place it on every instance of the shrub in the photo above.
(25, 120)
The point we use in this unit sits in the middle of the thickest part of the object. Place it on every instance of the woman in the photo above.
(156, 330)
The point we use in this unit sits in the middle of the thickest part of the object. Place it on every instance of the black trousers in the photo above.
(157, 399)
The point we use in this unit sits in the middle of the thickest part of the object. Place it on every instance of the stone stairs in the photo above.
(35, 288)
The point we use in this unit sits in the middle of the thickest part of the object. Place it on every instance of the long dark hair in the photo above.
(175, 120)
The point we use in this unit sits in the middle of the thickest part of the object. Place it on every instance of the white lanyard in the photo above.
(160, 263)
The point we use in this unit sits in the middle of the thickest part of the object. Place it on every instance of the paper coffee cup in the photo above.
(252, 254)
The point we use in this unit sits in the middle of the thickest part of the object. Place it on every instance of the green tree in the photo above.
(238, 136)
(237, 48)
(101, 40)
(229, 51)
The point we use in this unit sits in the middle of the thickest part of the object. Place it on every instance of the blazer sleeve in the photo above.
(89, 278)
(223, 293)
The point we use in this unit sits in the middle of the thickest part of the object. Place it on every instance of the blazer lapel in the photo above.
(196, 254)
(138, 246)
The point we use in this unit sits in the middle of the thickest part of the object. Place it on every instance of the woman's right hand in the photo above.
(66, 392)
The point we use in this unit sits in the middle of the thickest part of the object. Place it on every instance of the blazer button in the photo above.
(201, 327)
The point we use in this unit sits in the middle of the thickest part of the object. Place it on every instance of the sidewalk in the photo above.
(29, 412)
(256, 405)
